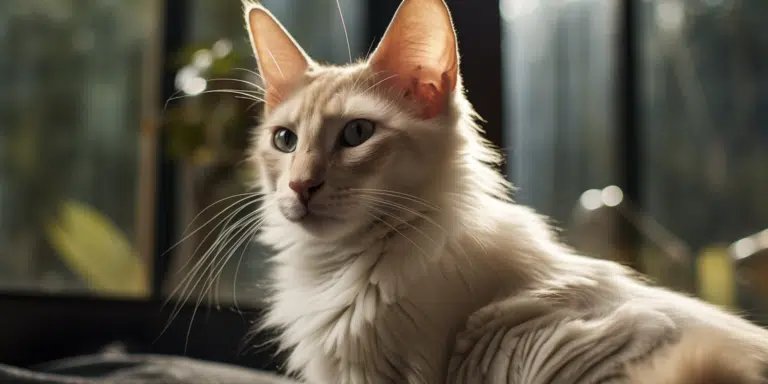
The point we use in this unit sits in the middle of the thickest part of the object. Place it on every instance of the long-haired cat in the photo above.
(400, 257)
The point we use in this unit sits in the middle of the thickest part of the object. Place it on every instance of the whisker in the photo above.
(370, 46)
(357, 83)
(251, 72)
(253, 224)
(244, 234)
(406, 209)
(249, 195)
(234, 280)
(253, 105)
(403, 222)
(276, 64)
(248, 230)
(344, 26)
(426, 203)
(224, 221)
(427, 218)
(379, 82)
(206, 256)
(398, 232)
(185, 283)
(401, 195)
(222, 236)
(252, 95)
(165, 106)
(260, 88)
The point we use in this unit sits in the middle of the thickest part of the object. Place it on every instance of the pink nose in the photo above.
(305, 188)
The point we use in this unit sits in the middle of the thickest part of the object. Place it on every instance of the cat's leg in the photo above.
(535, 341)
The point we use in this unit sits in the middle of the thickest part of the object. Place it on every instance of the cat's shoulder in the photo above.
(527, 338)
(557, 319)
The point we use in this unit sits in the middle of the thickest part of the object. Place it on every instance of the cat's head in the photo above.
(337, 140)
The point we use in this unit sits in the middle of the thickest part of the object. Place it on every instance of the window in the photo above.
(560, 100)
(81, 94)
(77, 96)
(82, 131)
(703, 97)
(696, 86)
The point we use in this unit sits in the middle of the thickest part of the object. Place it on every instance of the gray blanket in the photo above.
(136, 369)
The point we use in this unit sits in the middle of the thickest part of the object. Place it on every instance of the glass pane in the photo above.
(210, 136)
(560, 67)
(559, 60)
(704, 71)
(74, 75)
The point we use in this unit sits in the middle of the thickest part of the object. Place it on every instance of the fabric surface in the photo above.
(136, 369)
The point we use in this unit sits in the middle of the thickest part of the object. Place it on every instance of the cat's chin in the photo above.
(319, 225)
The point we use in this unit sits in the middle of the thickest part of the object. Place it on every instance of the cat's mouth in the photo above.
(301, 214)
(294, 212)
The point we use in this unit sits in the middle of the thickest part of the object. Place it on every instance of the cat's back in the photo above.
(700, 358)
(593, 321)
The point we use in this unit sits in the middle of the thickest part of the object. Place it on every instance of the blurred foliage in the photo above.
(97, 251)
(70, 74)
(704, 118)
(210, 126)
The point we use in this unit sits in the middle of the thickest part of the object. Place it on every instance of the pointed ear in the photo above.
(419, 53)
(281, 61)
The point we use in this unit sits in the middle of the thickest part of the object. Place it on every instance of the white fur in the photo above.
(440, 278)
(378, 305)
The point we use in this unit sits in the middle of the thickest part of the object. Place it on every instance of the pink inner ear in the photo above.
(419, 53)
(431, 95)
(282, 63)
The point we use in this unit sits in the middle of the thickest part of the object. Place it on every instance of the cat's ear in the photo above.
(281, 61)
(420, 54)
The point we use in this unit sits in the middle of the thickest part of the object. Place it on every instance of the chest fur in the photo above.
(364, 324)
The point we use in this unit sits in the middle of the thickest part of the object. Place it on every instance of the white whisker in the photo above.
(403, 222)
(344, 26)
(258, 87)
(187, 236)
(184, 285)
(276, 64)
(400, 233)
(241, 234)
(401, 195)
(379, 82)
(252, 95)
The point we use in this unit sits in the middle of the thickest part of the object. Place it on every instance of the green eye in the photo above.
(357, 132)
(284, 140)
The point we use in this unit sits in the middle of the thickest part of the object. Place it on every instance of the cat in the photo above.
(400, 257)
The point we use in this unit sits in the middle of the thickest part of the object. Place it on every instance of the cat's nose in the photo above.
(305, 188)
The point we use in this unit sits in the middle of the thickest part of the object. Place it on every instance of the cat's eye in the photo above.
(284, 140)
(357, 132)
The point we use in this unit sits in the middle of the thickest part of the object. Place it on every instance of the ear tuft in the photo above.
(419, 53)
(281, 61)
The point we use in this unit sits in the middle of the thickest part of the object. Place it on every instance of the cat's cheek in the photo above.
(265, 179)
(366, 163)
(271, 169)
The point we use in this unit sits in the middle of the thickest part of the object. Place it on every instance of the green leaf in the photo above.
(93, 247)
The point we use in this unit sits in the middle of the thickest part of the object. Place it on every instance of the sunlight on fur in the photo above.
(399, 257)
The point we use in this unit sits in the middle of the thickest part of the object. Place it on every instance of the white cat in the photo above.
(400, 258)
